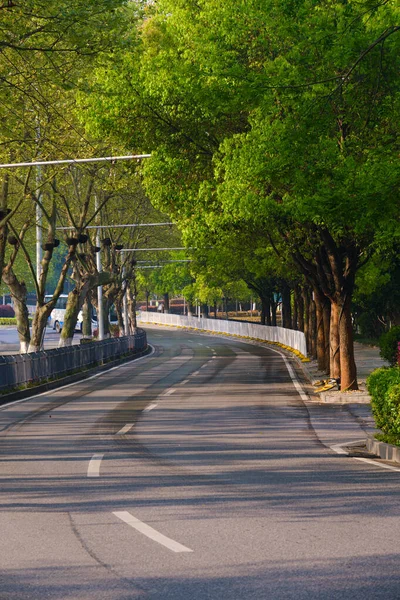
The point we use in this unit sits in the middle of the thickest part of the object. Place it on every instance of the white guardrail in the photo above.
(288, 337)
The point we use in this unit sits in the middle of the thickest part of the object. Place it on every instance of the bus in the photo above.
(56, 319)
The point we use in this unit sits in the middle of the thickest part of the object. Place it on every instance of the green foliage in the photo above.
(8, 321)
(384, 387)
(388, 344)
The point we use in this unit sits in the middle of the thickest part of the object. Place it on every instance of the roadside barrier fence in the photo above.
(288, 337)
(36, 367)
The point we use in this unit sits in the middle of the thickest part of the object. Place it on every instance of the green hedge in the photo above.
(11, 321)
(388, 343)
(384, 388)
(8, 321)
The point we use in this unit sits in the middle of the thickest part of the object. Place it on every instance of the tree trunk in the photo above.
(38, 327)
(274, 306)
(334, 342)
(18, 293)
(319, 300)
(295, 311)
(70, 319)
(215, 310)
(306, 300)
(166, 302)
(120, 317)
(204, 310)
(265, 310)
(268, 320)
(300, 308)
(286, 307)
(348, 370)
(327, 330)
(313, 327)
(147, 301)
(225, 302)
(87, 320)
(131, 299)
(190, 308)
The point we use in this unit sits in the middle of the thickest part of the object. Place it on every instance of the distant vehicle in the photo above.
(57, 315)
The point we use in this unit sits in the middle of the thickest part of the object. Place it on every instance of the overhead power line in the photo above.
(115, 226)
(72, 161)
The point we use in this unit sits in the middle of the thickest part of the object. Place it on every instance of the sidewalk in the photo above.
(336, 423)
(367, 360)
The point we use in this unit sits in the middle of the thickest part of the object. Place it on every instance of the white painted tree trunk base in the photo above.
(65, 342)
(34, 348)
(23, 347)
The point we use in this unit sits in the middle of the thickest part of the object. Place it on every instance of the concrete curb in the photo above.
(384, 451)
(52, 385)
(345, 397)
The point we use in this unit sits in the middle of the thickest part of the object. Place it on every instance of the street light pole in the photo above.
(100, 323)
(125, 300)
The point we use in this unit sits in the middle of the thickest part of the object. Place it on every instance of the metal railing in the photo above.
(288, 337)
(36, 367)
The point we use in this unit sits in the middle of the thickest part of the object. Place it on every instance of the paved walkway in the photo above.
(367, 360)
(338, 424)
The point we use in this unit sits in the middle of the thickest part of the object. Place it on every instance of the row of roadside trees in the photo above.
(273, 128)
(47, 53)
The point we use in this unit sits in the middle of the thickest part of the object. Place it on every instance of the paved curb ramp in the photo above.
(280, 335)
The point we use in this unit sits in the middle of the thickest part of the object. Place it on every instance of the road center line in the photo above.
(150, 407)
(94, 465)
(151, 533)
(125, 428)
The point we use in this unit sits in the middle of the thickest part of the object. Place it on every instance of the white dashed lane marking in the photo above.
(94, 465)
(151, 533)
(125, 428)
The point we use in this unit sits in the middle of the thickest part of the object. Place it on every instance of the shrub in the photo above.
(388, 343)
(384, 388)
(8, 321)
(6, 310)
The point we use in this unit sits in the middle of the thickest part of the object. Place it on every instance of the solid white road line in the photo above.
(94, 465)
(150, 407)
(170, 391)
(151, 533)
(185, 381)
(338, 448)
(125, 429)
(376, 464)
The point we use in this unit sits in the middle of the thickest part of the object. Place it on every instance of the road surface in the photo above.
(194, 473)
(9, 343)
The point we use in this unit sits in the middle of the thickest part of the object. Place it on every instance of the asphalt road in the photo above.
(194, 473)
(9, 342)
